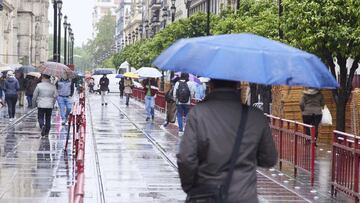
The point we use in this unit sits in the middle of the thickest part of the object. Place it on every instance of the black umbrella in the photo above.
(26, 69)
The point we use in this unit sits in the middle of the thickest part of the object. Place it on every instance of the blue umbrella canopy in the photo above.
(102, 72)
(246, 57)
(119, 76)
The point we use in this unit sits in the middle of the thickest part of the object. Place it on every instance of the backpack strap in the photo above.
(235, 151)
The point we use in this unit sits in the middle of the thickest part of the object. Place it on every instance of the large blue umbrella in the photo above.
(102, 72)
(246, 57)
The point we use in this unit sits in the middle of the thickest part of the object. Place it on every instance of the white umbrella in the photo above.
(6, 68)
(148, 72)
(35, 74)
(204, 79)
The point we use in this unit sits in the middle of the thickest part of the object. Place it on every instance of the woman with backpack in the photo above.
(184, 91)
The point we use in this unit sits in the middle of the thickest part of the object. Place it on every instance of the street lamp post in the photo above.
(65, 38)
(173, 10)
(55, 31)
(208, 17)
(69, 42)
(165, 15)
(72, 48)
(188, 5)
(59, 31)
(146, 28)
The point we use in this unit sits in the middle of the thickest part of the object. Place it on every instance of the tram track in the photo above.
(149, 138)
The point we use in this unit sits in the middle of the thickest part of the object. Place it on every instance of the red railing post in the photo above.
(312, 169)
(333, 163)
(295, 149)
(281, 143)
(356, 168)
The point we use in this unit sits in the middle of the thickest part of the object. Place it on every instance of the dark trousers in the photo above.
(11, 102)
(127, 99)
(312, 120)
(121, 93)
(44, 119)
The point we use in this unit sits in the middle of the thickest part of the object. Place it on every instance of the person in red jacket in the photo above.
(150, 88)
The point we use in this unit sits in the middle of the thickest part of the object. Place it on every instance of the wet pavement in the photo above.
(145, 151)
(126, 160)
(33, 168)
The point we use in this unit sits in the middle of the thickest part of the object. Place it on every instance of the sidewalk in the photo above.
(33, 169)
(118, 126)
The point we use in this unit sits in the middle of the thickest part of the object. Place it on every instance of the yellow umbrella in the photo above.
(131, 75)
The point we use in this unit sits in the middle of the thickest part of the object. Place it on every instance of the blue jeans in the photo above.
(65, 106)
(149, 105)
(182, 111)
(29, 100)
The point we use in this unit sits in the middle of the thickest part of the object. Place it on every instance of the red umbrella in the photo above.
(57, 70)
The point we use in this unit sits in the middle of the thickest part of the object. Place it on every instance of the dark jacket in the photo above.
(22, 83)
(312, 104)
(11, 86)
(104, 84)
(208, 140)
(146, 87)
(30, 86)
(121, 85)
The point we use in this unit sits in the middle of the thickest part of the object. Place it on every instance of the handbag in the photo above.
(326, 118)
(207, 193)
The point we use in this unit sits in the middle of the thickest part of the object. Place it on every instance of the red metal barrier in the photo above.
(77, 122)
(295, 143)
(345, 164)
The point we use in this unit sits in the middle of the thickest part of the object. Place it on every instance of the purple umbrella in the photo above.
(192, 77)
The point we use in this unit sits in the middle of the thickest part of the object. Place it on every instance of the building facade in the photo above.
(24, 32)
(102, 8)
(154, 15)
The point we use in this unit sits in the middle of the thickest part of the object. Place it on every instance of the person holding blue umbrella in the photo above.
(224, 141)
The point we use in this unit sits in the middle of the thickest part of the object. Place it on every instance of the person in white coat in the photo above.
(44, 99)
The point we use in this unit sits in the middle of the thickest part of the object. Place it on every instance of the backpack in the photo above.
(183, 92)
(169, 96)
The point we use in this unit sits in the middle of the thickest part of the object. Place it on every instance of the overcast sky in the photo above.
(79, 15)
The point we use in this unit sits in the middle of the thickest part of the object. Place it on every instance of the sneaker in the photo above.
(63, 123)
(147, 118)
(102, 104)
(105, 104)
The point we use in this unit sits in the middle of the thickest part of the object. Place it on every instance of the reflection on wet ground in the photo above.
(123, 133)
(126, 160)
(33, 168)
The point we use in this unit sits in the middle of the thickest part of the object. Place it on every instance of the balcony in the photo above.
(155, 5)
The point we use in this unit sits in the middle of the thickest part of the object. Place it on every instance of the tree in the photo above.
(253, 16)
(143, 52)
(329, 29)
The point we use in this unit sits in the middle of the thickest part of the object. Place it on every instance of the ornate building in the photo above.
(24, 31)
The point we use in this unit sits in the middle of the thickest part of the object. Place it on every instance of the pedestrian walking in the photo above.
(91, 85)
(65, 89)
(150, 94)
(207, 156)
(121, 87)
(183, 93)
(200, 89)
(11, 87)
(21, 92)
(104, 89)
(311, 105)
(170, 106)
(30, 85)
(128, 85)
(44, 99)
(2, 84)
